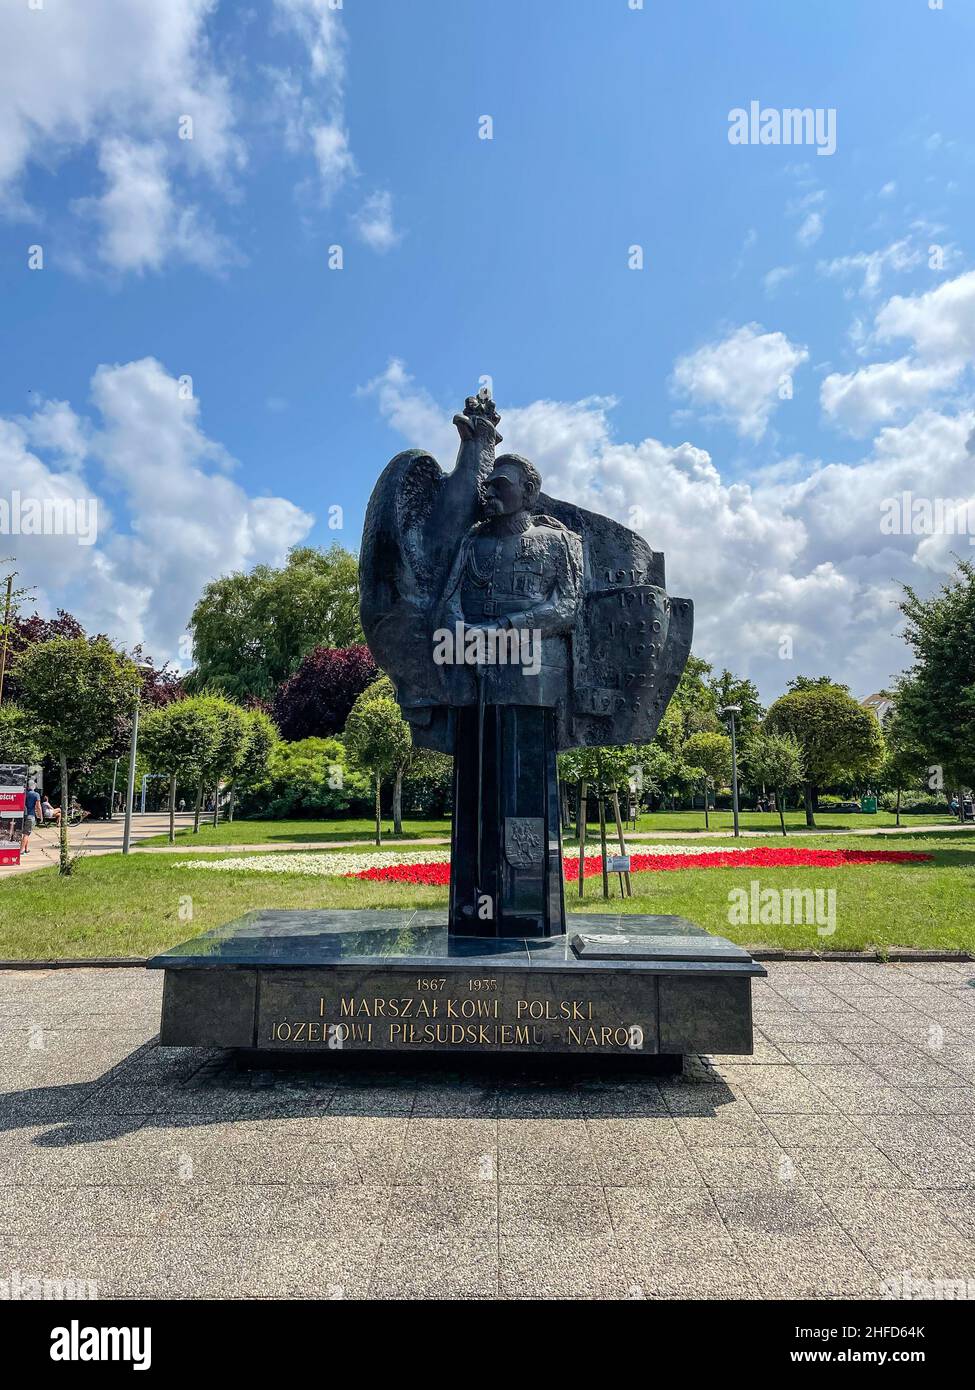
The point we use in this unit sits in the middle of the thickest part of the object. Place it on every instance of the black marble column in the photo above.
(506, 843)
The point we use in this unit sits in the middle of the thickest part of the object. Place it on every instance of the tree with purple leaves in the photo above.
(160, 684)
(315, 702)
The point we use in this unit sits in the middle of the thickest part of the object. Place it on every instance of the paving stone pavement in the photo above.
(840, 1156)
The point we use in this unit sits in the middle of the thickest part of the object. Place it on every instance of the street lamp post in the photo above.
(6, 630)
(145, 781)
(130, 791)
(732, 710)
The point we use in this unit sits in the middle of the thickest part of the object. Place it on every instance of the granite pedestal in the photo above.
(397, 981)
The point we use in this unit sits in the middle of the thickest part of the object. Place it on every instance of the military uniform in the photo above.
(519, 572)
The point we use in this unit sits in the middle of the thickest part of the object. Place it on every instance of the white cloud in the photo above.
(412, 412)
(55, 427)
(374, 222)
(313, 109)
(807, 207)
(811, 229)
(940, 325)
(72, 77)
(777, 276)
(123, 84)
(800, 552)
(318, 23)
(940, 322)
(185, 520)
(872, 265)
(140, 223)
(883, 391)
(740, 377)
(46, 561)
(332, 155)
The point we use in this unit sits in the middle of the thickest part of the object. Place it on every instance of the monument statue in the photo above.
(512, 625)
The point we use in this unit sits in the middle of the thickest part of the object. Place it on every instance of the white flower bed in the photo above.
(327, 865)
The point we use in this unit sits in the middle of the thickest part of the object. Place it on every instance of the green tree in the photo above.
(307, 777)
(413, 759)
(816, 683)
(253, 760)
(606, 769)
(938, 701)
(671, 732)
(428, 782)
(378, 738)
(78, 695)
(179, 740)
(908, 758)
(10, 601)
(664, 771)
(18, 742)
(731, 690)
(250, 631)
(840, 740)
(230, 727)
(710, 753)
(694, 699)
(655, 769)
(775, 761)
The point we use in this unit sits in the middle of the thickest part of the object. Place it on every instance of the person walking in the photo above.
(32, 807)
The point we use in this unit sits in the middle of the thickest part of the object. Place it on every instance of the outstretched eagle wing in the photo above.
(400, 577)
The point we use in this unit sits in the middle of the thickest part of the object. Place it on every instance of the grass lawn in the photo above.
(135, 906)
(260, 832)
(256, 832)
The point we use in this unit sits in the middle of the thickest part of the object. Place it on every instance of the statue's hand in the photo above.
(476, 427)
(465, 425)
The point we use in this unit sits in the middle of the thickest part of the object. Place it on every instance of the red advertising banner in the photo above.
(13, 799)
(13, 796)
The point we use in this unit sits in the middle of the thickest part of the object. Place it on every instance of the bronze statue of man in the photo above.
(521, 574)
(512, 624)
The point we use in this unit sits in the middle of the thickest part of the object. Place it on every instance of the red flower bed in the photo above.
(761, 858)
(407, 873)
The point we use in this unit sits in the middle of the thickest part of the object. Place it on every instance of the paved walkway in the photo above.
(90, 837)
(292, 845)
(840, 1157)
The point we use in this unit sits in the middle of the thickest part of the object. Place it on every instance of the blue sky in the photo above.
(653, 394)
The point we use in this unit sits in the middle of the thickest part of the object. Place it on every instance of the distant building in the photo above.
(880, 704)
